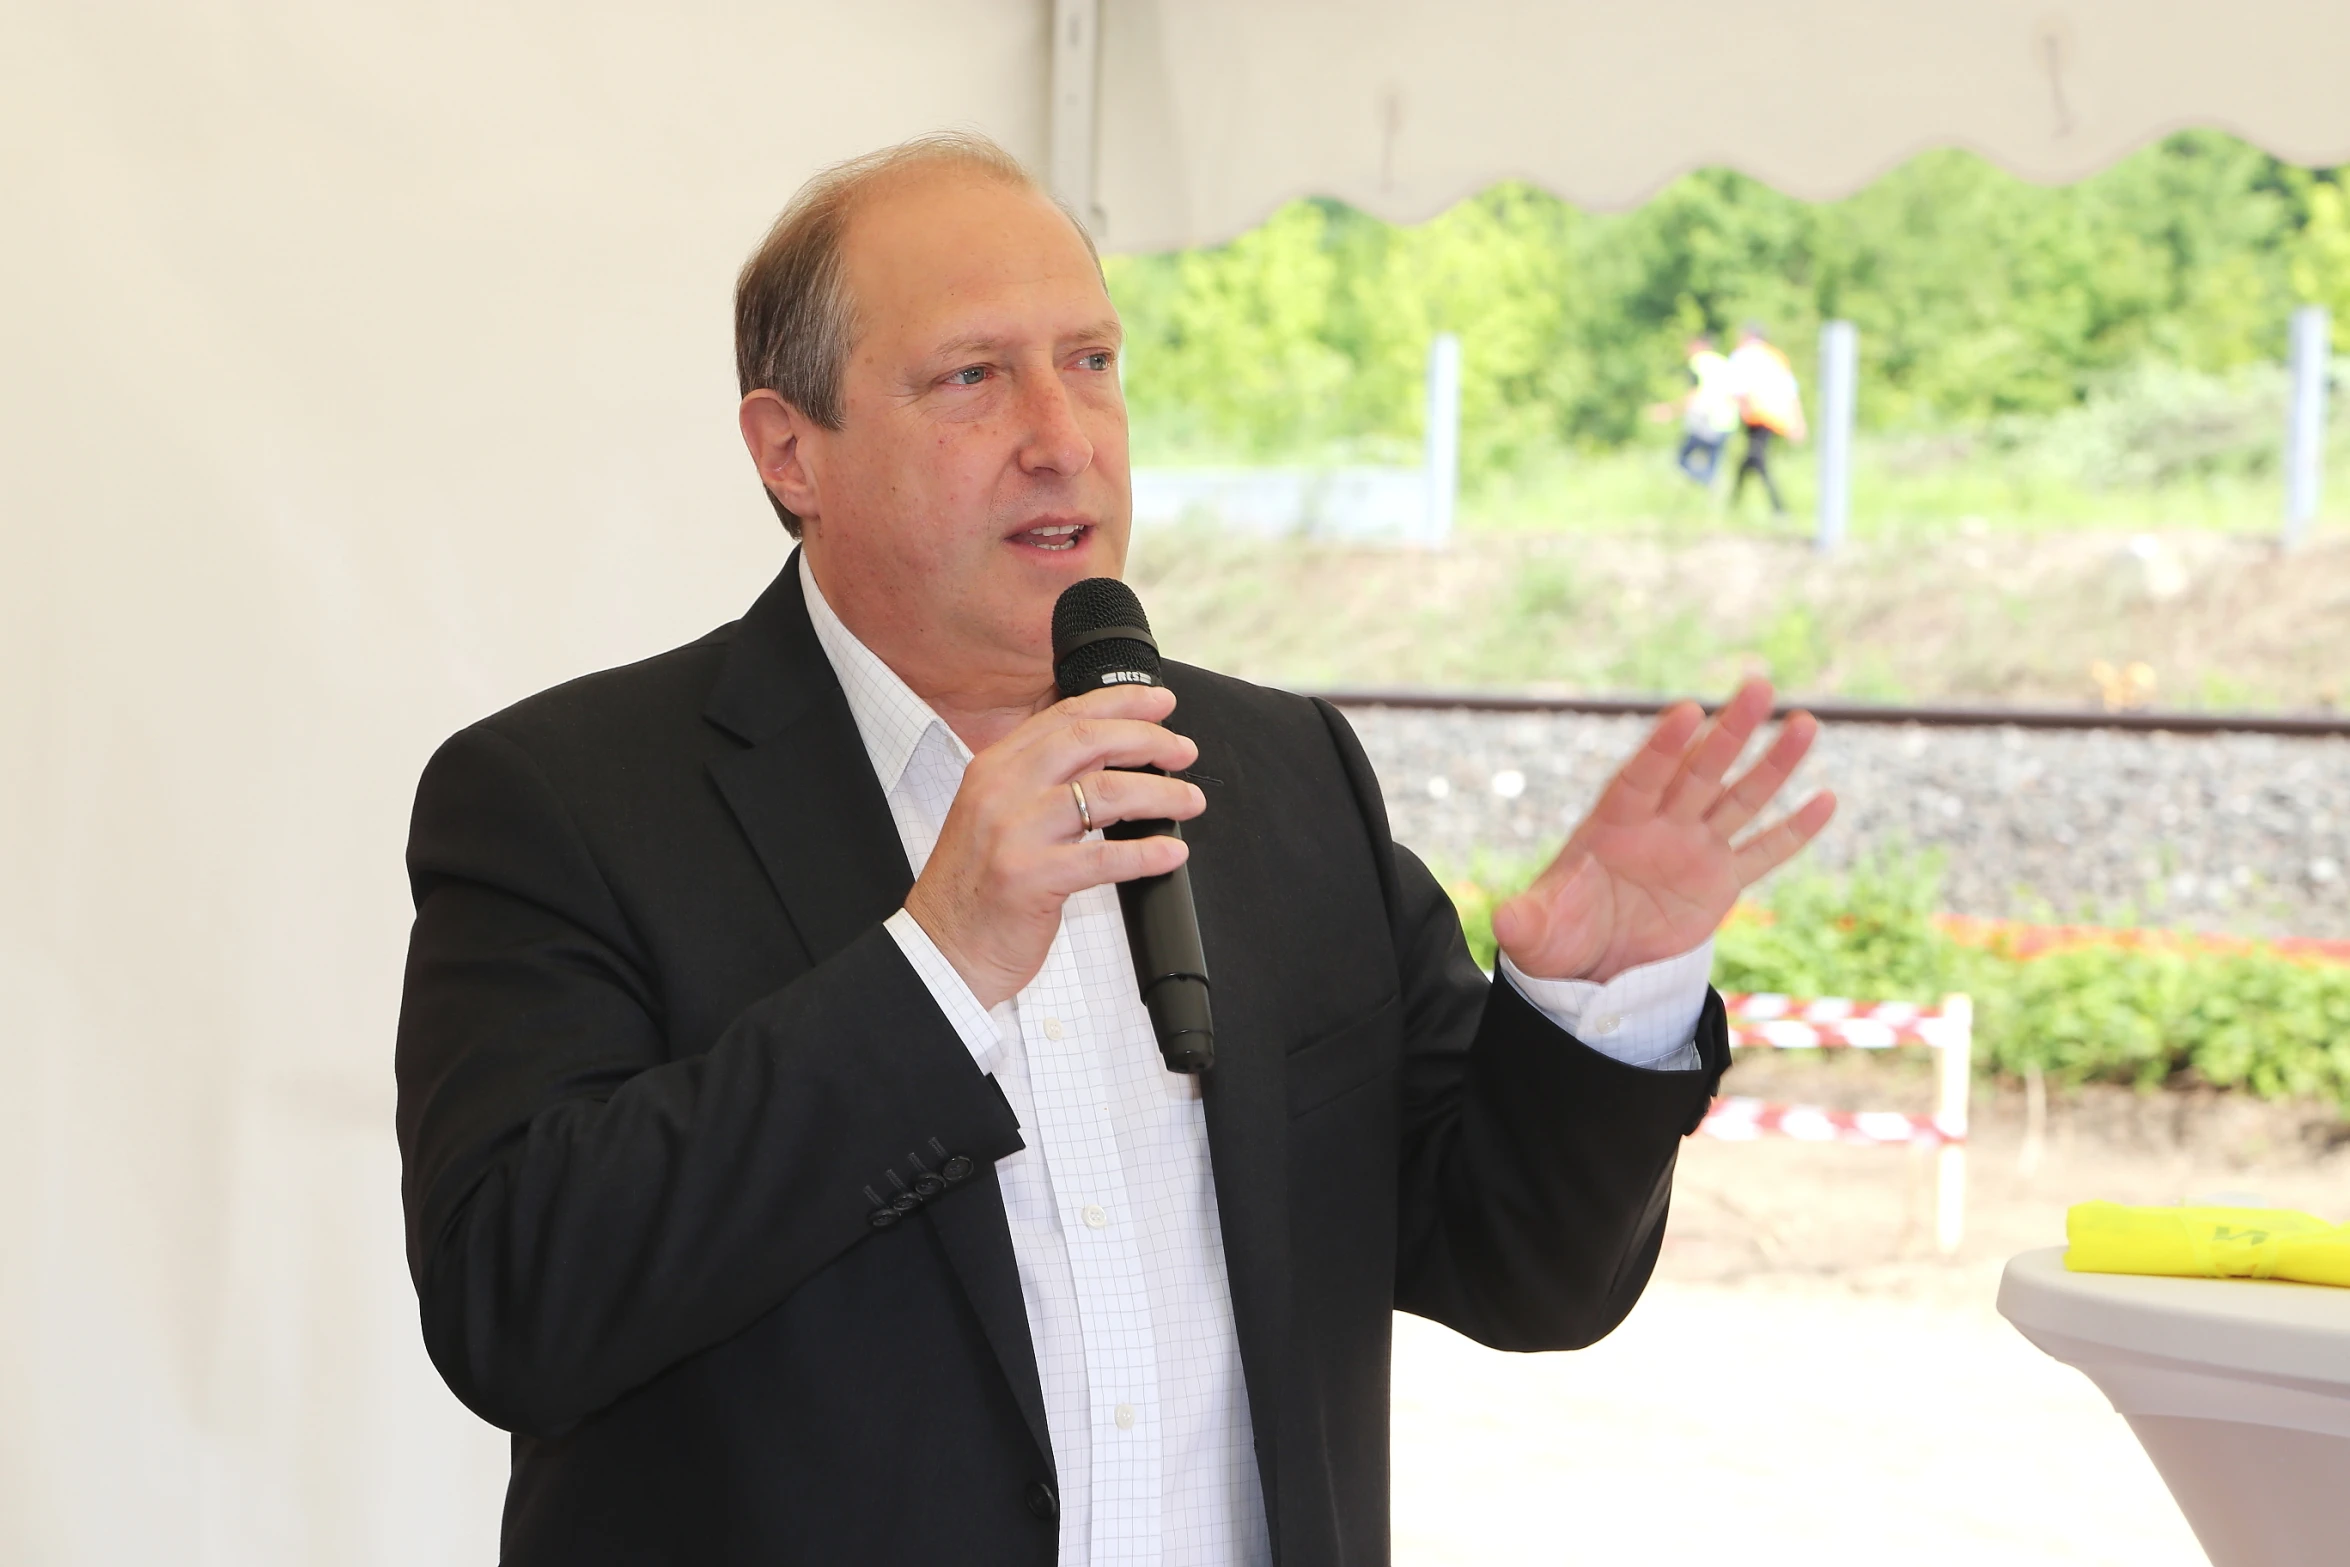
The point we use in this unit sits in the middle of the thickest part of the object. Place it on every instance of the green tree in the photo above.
(2321, 260)
(1978, 295)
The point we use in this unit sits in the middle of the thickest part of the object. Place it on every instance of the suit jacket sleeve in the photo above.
(1535, 1171)
(583, 1210)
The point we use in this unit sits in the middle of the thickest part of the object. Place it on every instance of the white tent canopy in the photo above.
(1214, 112)
(367, 368)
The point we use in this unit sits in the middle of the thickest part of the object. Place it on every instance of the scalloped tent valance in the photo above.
(1214, 112)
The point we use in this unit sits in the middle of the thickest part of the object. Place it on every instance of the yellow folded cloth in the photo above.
(2207, 1243)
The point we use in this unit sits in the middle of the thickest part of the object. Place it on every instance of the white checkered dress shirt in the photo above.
(1112, 1202)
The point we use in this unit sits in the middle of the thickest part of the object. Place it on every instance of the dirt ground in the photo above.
(1806, 1381)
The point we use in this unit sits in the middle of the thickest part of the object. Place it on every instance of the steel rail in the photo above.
(2300, 725)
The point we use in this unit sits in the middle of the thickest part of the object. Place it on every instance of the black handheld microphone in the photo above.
(1101, 638)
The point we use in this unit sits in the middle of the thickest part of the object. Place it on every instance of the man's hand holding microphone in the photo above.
(1017, 843)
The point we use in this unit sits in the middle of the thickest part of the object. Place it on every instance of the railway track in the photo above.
(2303, 725)
(2212, 821)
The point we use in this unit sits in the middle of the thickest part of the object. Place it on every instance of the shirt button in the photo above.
(1052, 1028)
(1606, 1024)
(1124, 1415)
(1095, 1218)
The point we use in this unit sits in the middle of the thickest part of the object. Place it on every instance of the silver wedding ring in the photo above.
(1084, 811)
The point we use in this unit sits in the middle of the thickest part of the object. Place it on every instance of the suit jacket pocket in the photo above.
(1343, 1060)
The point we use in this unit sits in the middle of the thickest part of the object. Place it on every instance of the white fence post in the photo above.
(2305, 428)
(1789, 1023)
(1442, 465)
(1839, 371)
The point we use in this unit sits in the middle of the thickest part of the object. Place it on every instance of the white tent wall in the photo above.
(367, 367)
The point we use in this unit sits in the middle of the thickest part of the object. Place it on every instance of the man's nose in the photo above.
(1055, 442)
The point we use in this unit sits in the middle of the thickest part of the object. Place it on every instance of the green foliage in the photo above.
(1979, 298)
(1253, 320)
(2158, 425)
(1826, 934)
(2321, 260)
(2253, 1020)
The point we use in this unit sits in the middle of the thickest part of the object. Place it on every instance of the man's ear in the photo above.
(777, 435)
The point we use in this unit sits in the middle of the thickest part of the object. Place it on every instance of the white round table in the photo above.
(2239, 1390)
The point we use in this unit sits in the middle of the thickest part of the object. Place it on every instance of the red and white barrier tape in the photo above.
(1742, 1120)
(1791, 1023)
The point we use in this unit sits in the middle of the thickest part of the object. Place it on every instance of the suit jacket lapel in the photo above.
(802, 787)
(804, 792)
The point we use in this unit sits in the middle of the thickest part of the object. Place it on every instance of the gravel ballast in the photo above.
(2236, 832)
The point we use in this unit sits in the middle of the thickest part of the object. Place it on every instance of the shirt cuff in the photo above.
(972, 1023)
(1645, 1017)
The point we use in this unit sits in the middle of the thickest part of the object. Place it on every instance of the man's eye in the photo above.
(969, 375)
(1096, 361)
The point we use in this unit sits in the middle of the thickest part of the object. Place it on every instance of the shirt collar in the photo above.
(891, 719)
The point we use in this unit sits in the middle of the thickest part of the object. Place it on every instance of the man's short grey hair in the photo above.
(794, 321)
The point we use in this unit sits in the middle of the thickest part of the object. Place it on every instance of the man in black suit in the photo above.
(787, 1161)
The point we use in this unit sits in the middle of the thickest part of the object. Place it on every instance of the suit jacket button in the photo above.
(956, 1168)
(905, 1202)
(928, 1186)
(882, 1218)
(1043, 1502)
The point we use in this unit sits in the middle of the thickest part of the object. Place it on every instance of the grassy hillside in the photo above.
(1976, 615)
(2159, 449)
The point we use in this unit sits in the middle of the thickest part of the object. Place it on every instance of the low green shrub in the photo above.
(2253, 1020)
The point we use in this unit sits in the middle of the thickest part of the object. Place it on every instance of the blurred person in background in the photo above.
(1770, 403)
(1708, 410)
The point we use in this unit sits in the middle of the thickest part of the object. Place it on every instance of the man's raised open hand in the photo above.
(1657, 864)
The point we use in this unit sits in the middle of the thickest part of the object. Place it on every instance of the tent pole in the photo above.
(1076, 64)
(1839, 370)
(2305, 429)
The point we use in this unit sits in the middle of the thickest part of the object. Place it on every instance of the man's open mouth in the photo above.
(1054, 535)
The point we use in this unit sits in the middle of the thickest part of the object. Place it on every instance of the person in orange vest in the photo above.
(1769, 404)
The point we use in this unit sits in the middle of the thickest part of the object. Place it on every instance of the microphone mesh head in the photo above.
(1094, 605)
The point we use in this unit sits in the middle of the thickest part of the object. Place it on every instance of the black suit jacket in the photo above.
(667, 1087)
